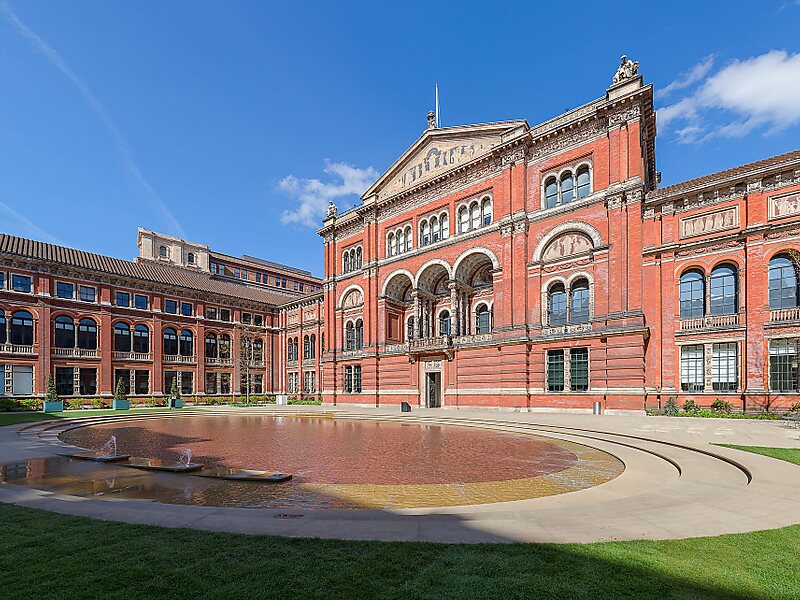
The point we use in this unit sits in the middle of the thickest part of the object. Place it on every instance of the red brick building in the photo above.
(505, 265)
(496, 265)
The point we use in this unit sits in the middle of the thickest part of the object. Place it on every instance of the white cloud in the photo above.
(762, 92)
(690, 77)
(122, 146)
(312, 195)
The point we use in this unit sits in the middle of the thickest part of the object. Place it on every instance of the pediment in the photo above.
(438, 151)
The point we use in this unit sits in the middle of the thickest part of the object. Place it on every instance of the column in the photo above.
(454, 308)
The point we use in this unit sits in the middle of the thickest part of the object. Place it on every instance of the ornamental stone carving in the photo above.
(332, 210)
(624, 116)
(567, 139)
(567, 245)
(513, 157)
(627, 70)
(354, 298)
(614, 201)
(784, 206)
(720, 220)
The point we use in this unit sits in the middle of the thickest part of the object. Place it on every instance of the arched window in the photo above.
(410, 329)
(3, 329)
(444, 322)
(475, 211)
(346, 262)
(141, 339)
(782, 283)
(306, 348)
(212, 351)
(584, 182)
(313, 345)
(567, 188)
(186, 343)
(445, 220)
(349, 336)
(359, 257)
(425, 234)
(22, 328)
(64, 332)
(435, 229)
(557, 305)
(190, 258)
(692, 295)
(401, 241)
(723, 290)
(408, 238)
(225, 346)
(486, 211)
(162, 252)
(482, 320)
(579, 302)
(359, 334)
(170, 342)
(551, 193)
(463, 219)
(122, 337)
(87, 334)
(390, 243)
(258, 350)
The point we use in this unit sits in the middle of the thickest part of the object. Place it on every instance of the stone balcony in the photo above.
(217, 361)
(75, 352)
(139, 356)
(468, 340)
(16, 349)
(430, 344)
(782, 315)
(709, 322)
(175, 358)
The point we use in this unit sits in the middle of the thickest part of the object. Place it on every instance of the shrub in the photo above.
(51, 395)
(34, 404)
(74, 403)
(305, 401)
(7, 404)
(97, 403)
(794, 407)
(722, 406)
(119, 393)
(671, 407)
(690, 406)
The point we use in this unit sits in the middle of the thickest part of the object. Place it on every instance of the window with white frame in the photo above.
(65, 290)
(475, 214)
(568, 185)
(399, 240)
(434, 228)
(692, 371)
(725, 367)
(783, 365)
(351, 260)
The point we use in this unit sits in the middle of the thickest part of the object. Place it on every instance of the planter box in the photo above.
(175, 402)
(50, 407)
(121, 404)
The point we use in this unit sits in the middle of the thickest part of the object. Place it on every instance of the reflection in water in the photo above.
(335, 463)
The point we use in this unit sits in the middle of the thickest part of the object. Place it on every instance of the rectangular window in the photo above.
(64, 381)
(65, 290)
(301, 286)
(211, 313)
(171, 307)
(2, 280)
(224, 383)
(783, 366)
(125, 376)
(186, 309)
(555, 370)
(211, 383)
(292, 383)
(247, 318)
(187, 382)
(692, 377)
(141, 301)
(213, 267)
(725, 367)
(258, 320)
(21, 283)
(122, 299)
(225, 314)
(236, 273)
(87, 294)
(141, 382)
(22, 380)
(88, 382)
(579, 369)
(169, 377)
(295, 285)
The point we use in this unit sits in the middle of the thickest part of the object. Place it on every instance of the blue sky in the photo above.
(233, 123)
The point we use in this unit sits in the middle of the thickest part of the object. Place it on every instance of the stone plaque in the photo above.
(567, 245)
(720, 220)
(784, 206)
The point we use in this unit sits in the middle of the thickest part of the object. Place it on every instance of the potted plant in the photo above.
(51, 401)
(174, 400)
(120, 401)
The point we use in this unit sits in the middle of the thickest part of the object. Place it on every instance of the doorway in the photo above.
(433, 390)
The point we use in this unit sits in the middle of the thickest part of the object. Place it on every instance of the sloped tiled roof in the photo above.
(145, 271)
(727, 174)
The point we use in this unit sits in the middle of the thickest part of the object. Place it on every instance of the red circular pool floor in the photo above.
(326, 450)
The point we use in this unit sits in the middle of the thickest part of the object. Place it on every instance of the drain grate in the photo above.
(287, 516)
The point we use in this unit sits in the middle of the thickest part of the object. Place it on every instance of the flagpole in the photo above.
(438, 122)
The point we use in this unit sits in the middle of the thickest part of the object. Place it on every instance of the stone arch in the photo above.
(428, 264)
(392, 275)
(349, 290)
(571, 226)
(477, 250)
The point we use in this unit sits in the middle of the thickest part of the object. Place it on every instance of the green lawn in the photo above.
(13, 418)
(791, 455)
(44, 555)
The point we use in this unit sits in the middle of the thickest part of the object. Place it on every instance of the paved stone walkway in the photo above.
(676, 485)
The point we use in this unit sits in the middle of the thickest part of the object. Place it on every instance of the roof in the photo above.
(732, 173)
(144, 271)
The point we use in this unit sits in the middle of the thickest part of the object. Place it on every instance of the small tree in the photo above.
(51, 395)
(250, 355)
(174, 393)
(119, 392)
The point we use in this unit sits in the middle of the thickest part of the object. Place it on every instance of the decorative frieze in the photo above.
(513, 157)
(569, 138)
(784, 206)
(567, 245)
(720, 220)
(624, 116)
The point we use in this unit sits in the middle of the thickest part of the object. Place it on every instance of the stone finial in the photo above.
(431, 120)
(627, 70)
(332, 210)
